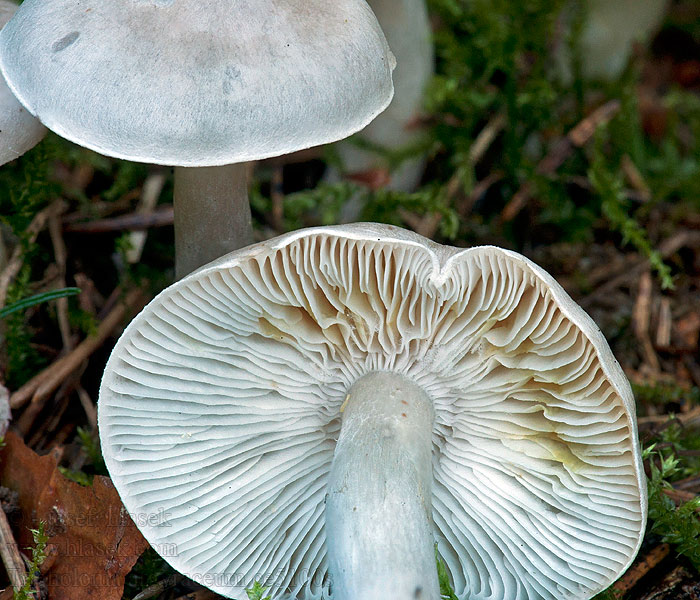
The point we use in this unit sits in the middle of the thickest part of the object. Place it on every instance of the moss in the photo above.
(678, 526)
(40, 538)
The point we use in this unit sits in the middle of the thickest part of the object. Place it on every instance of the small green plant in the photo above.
(38, 299)
(678, 526)
(256, 592)
(609, 594)
(78, 477)
(446, 590)
(614, 205)
(25, 188)
(22, 358)
(26, 592)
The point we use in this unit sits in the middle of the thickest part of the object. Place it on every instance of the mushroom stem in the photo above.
(378, 517)
(212, 214)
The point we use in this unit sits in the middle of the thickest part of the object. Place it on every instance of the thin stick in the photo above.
(41, 386)
(641, 567)
(60, 254)
(160, 586)
(576, 138)
(631, 272)
(481, 144)
(17, 259)
(665, 325)
(60, 405)
(14, 565)
(635, 178)
(641, 317)
(680, 497)
(467, 204)
(485, 138)
(202, 594)
(135, 221)
(150, 193)
(426, 225)
(88, 406)
(688, 419)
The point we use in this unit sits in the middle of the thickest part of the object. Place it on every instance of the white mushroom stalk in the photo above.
(19, 130)
(212, 214)
(200, 85)
(379, 506)
(317, 411)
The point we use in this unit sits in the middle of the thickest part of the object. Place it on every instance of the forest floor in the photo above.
(598, 183)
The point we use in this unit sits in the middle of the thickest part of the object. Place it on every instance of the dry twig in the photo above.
(161, 217)
(11, 558)
(631, 271)
(486, 137)
(60, 254)
(150, 193)
(641, 567)
(425, 225)
(635, 178)
(16, 261)
(159, 587)
(465, 206)
(641, 317)
(41, 386)
(576, 138)
(202, 594)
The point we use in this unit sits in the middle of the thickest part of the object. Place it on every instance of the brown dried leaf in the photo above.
(95, 543)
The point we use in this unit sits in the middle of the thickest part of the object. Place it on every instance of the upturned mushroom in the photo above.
(318, 410)
(19, 130)
(205, 87)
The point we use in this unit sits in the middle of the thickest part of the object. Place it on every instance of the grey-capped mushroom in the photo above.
(19, 130)
(407, 28)
(318, 410)
(203, 86)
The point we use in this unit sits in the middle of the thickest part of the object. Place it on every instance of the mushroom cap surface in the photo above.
(19, 130)
(187, 83)
(221, 405)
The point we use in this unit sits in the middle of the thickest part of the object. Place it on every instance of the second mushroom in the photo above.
(202, 86)
(318, 411)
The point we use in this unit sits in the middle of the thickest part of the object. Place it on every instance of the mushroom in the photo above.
(202, 86)
(19, 131)
(318, 410)
(609, 33)
(407, 28)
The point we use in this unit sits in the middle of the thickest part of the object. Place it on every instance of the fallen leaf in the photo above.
(93, 541)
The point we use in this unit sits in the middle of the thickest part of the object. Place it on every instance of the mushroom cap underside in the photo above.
(183, 83)
(220, 407)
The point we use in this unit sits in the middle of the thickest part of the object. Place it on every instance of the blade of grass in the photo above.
(38, 299)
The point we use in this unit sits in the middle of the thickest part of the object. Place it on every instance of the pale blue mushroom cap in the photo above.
(191, 83)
